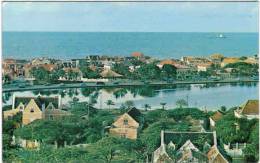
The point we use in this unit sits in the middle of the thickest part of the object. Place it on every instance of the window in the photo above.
(32, 110)
(125, 122)
(21, 108)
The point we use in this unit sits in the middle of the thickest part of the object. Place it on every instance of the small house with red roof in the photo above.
(214, 118)
(249, 110)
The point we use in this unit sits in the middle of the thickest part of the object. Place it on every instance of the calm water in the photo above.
(198, 95)
(26, 45)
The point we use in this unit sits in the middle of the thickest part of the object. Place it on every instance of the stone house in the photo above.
(34, 108)
(185, 150)
(13, 68)
(128, 124)
(249, 110)
(203, 67)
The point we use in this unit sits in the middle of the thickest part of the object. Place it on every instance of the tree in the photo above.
(163, 105)
(107, 149)
(61, 73)
(147, 106)
(109, 103)
(121, 69)
(148, 71)
(151, 135)
(6, 78)
(122, 108)
(40, 73)
(129, 104)
(54, 76)
(243, 58)
(223, 108)
(181, 102)
(251, 151)
(89, 73)
(170, 70)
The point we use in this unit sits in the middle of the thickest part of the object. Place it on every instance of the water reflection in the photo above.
(209, 96)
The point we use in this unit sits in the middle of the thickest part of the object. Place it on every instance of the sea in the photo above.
(68, 45)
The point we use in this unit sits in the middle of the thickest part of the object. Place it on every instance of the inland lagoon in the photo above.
(204, 96)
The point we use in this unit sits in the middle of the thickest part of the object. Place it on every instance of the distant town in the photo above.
(107, 70)
(42, 127)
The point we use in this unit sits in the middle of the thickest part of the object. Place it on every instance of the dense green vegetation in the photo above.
(240, 131)
(89, 126)
(243, 69)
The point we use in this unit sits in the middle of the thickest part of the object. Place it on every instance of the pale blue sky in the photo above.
(131, 17)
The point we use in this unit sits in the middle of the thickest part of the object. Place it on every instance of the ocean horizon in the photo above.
(68, 45)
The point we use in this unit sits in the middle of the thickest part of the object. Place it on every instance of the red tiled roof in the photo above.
(217, 116)
(48, 67)
(251, 107)
(137, 54)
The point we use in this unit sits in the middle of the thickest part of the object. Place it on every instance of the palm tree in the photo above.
(129, 104)
(147, 106)
(163, 105)
(109, 103)
(181, 102)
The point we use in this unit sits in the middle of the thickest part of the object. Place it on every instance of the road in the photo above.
(111, 84)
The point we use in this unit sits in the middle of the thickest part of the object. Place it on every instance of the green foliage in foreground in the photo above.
(233, 130)
(108, 149)
(252, 150)
(151, 135)
(91, 131)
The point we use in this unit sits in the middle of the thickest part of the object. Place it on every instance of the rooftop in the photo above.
(251, 107)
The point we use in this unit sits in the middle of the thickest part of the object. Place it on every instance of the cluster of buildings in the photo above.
(248, 110)
(173, 147)
(187, 67)
(186, 151)
(36, 108)
(130, 124)
(21, 68)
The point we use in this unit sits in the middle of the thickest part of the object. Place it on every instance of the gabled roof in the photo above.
(188, 145)
(215, 156)
(251, 107)
(179, 138)
(134, 113)
(216, 116)
(107, 73)
(39, 100)
(189, 151)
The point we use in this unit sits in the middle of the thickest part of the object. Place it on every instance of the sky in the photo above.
(131, 17)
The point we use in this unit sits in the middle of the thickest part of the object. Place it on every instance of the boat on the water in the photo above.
(221, 36)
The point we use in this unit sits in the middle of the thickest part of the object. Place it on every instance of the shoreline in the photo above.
(110, 84)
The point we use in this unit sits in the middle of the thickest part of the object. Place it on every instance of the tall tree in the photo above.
(163, 105)
(169, 70)
(110, 103)
(147, 106)
(181, 102)
(129, 104)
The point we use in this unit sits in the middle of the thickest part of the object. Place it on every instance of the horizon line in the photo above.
(139, 31)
